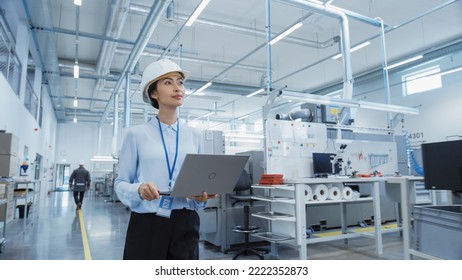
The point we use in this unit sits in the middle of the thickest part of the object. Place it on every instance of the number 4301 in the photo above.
(416, 135)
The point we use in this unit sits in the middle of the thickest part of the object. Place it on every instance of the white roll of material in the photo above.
(347, 193)
(335, 193)
(308, 193)
(356, 195)
(320, 192)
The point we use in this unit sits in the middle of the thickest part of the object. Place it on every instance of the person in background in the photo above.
(79, 182)
(160, 226)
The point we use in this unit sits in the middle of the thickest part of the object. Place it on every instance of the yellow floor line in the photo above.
(367, 229)
(83, 231)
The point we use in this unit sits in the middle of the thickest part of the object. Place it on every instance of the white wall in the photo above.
(439, 109)
(79, 141)
(16, 119)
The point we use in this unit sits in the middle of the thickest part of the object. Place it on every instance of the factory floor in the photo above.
(53, 232)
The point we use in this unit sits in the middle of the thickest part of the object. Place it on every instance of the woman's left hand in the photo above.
(204, 197)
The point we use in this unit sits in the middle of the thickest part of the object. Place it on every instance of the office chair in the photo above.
(242, 195)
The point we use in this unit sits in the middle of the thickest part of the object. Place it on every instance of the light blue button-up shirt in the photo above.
(142, 160)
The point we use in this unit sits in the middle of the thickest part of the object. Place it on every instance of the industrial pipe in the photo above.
(304, 114)
(336, 13)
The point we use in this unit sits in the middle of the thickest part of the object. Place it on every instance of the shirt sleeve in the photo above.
(126, 185)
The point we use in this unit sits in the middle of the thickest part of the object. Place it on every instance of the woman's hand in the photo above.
(148, 191)
(204, 197)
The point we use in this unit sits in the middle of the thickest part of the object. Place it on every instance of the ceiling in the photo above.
(226, 46)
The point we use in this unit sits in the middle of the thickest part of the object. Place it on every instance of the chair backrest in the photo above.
(244, 183)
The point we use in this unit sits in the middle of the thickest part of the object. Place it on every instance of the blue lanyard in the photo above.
(170, 170)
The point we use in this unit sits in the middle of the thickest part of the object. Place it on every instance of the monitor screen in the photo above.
(322, 164)
(442, 165)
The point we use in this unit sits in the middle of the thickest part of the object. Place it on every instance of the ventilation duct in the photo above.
(305, 115)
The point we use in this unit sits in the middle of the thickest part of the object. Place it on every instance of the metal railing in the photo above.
(9, 63)
(30, 99)
(11, 68)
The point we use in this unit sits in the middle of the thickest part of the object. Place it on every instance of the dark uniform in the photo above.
(79, 183)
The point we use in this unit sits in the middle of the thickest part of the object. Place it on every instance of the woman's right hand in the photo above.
(148, 191)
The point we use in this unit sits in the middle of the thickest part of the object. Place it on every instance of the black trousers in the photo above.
(152, 237)
(78, 197)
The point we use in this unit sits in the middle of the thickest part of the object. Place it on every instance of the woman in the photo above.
(160, 227)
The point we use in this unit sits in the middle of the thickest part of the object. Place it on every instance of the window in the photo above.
(421, 81)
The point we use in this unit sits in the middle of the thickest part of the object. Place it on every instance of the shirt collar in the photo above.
(164, 126)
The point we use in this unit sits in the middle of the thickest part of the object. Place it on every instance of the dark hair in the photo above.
(152, 88)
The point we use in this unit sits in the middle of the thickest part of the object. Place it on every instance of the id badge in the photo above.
(165, 206)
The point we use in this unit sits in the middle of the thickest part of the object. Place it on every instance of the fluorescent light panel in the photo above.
(76, 102)
(189, 92)
(243, 117)
(449, 71)
(244, 140)
(388, 108)
(285, 33)
(78, 2)
(403, 62)
(204, 87)
(197, 12)
(76, 71)
(242, 135)
(104, 159)
(255, 92)
(208, 114)
(75, 120)
(353, 49)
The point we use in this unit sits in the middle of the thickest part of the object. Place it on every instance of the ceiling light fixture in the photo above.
(204, 87)
(197, 12)
(78, 2)
(76, 102)
(320, 99)
(204, 116)
(243, 117)
(76, 71)
(104, 158)
(353, 49)
(285, 33)
(388, 108)
(244, 135)
(75, 119)
(448, 71)
(255, 92)
(235, 140)
(403, 62)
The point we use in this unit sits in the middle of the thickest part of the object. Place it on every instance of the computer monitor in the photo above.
(442, 165)
(322, 165)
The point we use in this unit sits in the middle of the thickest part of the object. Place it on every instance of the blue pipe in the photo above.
(411, 157)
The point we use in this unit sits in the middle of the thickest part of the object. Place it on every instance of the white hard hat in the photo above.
(155, 71)
(82, 162)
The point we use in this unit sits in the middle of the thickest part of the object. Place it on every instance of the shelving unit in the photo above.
(289, 201)
(6, 208)
(3, 215)
(28, 194)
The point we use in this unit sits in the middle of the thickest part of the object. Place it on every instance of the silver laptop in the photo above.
(214, 174)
